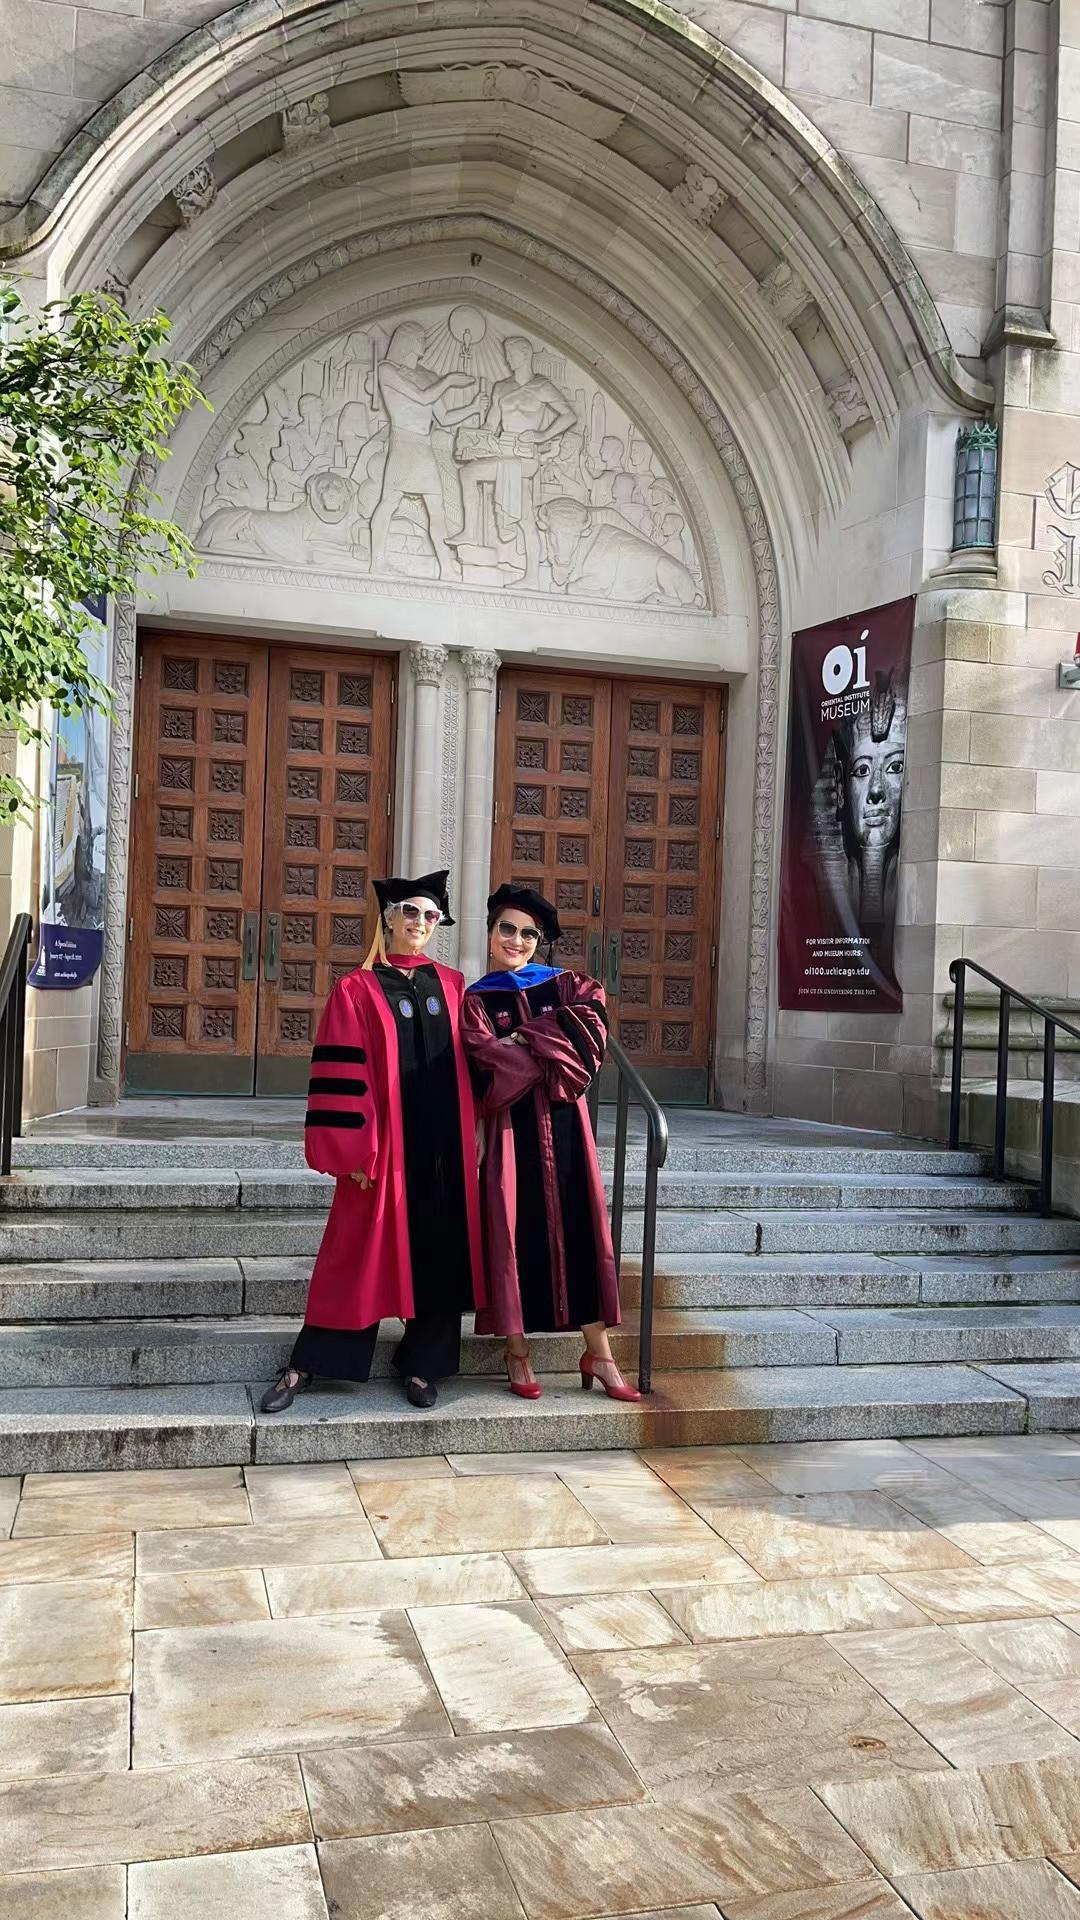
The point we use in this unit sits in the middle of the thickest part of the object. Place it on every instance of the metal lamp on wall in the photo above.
(975, 492)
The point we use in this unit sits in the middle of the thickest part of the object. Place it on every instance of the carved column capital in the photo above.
(480, 668)
(428, 664)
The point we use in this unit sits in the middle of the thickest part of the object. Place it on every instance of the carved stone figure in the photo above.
(785, 292)
(598, 561)
(194, 193)
(305, 446)
(846, 402)
(527, 412)
(411, 394)
(327, 522)
(305, 121)
(699, 195)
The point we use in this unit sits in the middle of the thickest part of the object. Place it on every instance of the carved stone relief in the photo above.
(194, 193)
(520, 86)
(441, 446)
(847, 402)
(785, 293)
(1063, 494)
(305, 121)
(699, 195)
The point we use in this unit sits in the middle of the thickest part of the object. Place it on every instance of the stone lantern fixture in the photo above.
(975, 493)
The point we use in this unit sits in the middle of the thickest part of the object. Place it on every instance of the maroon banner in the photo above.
(845, 778)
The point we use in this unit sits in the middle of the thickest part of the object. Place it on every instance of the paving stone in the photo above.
(407, 1466)
(785, 1607)
(214, 1693)
(932, 1823)
(647, 1510)
(471, 1777)
(65, 1638)
(558, 1571)
(95, 1290)
(100, 1502)
(301, 1543)
(370, 1586)
(949, 1594)
(1016, 1890)
(85, 1556)
(833, 1466)
(952, 1697)
(65, 1736)
(857, 1900)
(498, 1667)
(200, 1599)
(88, 1893)
(601, 1622)
(10, 1489)
(998, 1457)
(76, 1820)
(986, 1532)
(719, 1476)
(283, 1881)
(471, 1515)
(419, 1876)
(65, 1429)
(280, 1494)
(696, 1720)
(732, 1846)
(832, 1533)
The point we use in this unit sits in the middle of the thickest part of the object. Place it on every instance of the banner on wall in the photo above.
(73, 884)
(847, 740)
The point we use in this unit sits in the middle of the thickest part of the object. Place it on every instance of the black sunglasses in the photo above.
(509, 932)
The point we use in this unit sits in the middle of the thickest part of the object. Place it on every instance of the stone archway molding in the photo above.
(274, 292)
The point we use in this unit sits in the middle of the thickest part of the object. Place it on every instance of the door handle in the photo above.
(272, 949)
(596, 956)
(250, 964)
(614, 962)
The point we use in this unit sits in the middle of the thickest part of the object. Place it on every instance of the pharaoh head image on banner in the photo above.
(845, 779)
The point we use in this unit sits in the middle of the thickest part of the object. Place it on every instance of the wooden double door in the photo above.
(262, 804)
(608, 799)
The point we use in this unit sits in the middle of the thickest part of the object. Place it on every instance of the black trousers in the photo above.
(429, 1349)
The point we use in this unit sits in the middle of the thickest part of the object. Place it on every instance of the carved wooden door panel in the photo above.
(196, 869)
(551, 778)
(261, 808)
(608, 798)
(327, 830)
(663, 860)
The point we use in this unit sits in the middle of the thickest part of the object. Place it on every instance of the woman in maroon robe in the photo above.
(391, 1115)
(535, 1036)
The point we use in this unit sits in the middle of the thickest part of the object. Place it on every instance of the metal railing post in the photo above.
(618, 1183)
(592, 1101)
(957, 972)
(1046, 1180)
(1001, 1097)
(648, 1267)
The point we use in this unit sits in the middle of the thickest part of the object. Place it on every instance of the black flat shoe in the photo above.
(420, 1393)
(281, 1394)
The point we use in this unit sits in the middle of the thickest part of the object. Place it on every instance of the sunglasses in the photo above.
(429, 915)
(509, 932)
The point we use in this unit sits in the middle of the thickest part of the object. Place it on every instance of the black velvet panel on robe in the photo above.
(532, 1237)
(434, 1196)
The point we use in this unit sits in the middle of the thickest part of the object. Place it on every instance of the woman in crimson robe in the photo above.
(535, 1036)
(391, 1115)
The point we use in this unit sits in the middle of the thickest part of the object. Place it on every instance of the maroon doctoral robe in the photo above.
(363, 1272)
(547, 1242)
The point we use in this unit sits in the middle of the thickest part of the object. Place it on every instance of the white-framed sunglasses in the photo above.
(410, 911)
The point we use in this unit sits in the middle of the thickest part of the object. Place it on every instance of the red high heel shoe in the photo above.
(616, 1389)
(524, 1385)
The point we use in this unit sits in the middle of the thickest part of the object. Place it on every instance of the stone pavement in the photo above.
(835, 1681)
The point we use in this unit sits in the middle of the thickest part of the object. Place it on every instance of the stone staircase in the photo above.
(811, 1284)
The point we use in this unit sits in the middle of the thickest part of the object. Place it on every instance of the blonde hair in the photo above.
(376, 954)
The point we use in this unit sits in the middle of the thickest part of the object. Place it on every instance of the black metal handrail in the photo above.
(958, 972)
(12, 1031)
(630, 1085)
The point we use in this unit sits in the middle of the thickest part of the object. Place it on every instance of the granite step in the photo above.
(816, 1280)
(222, 1189)
(80, 1429)
(913, 1159)
(158, 1352)
(854, 1230)
(196, 1234)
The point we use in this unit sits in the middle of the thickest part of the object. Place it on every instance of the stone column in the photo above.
(427, 665)
(480, 674)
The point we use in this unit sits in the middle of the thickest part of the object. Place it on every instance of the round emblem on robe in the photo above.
(433, 1005)
(405, 1008)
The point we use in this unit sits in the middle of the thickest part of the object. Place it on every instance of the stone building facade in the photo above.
(565, 357)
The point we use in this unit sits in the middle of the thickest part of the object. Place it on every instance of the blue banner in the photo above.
(73, 886)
